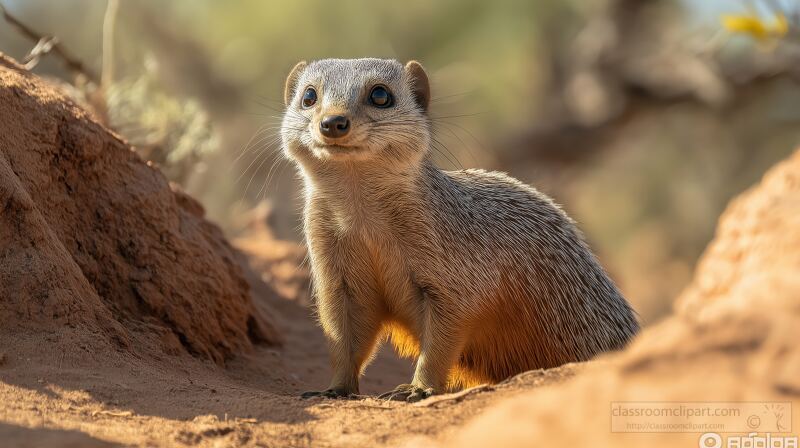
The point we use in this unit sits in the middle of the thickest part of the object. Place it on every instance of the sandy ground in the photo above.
(52, 399)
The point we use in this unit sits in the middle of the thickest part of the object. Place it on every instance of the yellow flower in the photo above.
(781, 25)
(755, 26)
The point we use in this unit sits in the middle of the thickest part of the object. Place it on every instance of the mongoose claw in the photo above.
(328, 393)
(419, 394)
(407, 392)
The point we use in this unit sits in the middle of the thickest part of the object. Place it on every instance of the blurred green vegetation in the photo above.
(642, 120)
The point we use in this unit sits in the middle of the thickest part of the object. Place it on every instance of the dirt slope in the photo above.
(95, 242)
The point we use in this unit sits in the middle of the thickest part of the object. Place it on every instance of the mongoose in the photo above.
(475, 274)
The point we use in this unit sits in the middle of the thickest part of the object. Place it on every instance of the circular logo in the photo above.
(754, 421)
(710, 440)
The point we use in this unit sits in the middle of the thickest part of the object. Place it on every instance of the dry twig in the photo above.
(109, 26)
(45, 45)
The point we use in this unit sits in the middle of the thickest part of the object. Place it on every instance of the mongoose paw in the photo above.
(329, 393)
(407, 392)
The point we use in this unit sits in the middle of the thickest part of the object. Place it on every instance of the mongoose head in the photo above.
(356, 110)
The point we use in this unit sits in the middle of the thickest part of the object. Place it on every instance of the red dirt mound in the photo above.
(733, 338)
(92, 237)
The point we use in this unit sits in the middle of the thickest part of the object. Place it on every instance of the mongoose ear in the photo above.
(291, 82)
(420, 86)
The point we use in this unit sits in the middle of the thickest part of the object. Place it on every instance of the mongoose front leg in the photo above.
(352, 331)
(439, 351)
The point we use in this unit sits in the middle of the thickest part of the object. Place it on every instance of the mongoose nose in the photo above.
(334, 126)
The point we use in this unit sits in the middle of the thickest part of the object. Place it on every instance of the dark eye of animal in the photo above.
(309, 97)
(380, 97)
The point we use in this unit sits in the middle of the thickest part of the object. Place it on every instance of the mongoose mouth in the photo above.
(339, 152)
(337, 148)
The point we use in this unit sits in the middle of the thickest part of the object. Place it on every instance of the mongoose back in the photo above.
(474, 273)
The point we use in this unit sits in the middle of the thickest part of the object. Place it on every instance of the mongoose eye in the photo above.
(380, 97)
(309, 97)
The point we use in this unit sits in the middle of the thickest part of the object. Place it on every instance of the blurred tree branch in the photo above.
(625, 61)
(45, 45)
